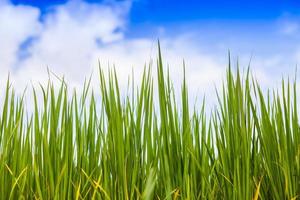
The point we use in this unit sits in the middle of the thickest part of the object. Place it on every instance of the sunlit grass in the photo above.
(70, 148)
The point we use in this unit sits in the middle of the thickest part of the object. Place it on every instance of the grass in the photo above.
(72, 148)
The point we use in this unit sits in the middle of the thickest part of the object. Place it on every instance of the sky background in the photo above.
(70, 36)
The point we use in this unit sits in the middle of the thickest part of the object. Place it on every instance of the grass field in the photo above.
(71, 148)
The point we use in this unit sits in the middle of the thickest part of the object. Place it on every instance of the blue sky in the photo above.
(70, 36)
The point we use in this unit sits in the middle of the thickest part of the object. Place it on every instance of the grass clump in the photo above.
(71, 148)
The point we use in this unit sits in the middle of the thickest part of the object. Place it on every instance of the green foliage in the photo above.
(73, 148)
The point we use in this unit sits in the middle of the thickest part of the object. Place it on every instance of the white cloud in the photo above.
(64, 41)
(17, 23)
(69, 37)
(289, 27)
(288, 24)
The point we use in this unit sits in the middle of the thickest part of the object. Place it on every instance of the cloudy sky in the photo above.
(70, 36)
